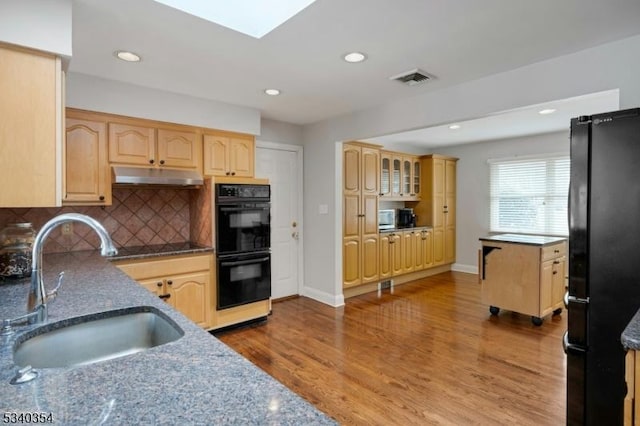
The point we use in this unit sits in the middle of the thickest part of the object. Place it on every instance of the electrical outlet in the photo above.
(67, 228)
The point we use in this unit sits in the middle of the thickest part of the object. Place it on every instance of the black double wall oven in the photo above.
(242, 243)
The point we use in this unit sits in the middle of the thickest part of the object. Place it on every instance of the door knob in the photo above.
(294, 224)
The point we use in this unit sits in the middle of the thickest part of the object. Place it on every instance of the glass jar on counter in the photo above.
(16, 243)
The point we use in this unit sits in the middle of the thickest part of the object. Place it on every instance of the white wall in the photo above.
(279, 132)
(97, 94)
(610, 66)
(472, 186)
(39, 24)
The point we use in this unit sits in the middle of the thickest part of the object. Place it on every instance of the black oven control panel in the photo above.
(242, 192)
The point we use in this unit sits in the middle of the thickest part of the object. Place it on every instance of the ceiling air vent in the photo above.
(412, 77)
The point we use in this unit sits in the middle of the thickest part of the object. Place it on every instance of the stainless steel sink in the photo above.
(95, 338)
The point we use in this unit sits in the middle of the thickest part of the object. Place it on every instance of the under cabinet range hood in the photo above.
(155, 176)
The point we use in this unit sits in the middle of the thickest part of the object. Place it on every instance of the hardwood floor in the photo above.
(428, 354)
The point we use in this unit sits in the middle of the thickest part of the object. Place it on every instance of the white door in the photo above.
(281, 164)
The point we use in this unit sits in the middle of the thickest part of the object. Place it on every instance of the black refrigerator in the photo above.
(604, 262)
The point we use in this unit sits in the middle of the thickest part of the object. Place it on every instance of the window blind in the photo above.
(530, 195)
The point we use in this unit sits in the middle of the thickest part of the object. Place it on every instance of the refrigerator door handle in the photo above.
(565, 299)
(574, 299)
(566, 346)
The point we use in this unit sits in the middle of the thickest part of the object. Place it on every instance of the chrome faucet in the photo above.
(38, 297)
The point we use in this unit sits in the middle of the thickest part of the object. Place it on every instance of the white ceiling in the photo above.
(507, 124)
(455, 41)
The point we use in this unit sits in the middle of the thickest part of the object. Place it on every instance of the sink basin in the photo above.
(94, 338)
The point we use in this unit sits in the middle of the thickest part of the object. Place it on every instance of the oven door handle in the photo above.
(239, 209)
(245, 262)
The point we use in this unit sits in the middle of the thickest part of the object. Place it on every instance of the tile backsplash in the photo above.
(138, 216)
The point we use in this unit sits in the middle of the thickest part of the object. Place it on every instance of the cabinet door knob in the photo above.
(164, 296)
(169, 282)
(161, 162)
(159, 284)
(101, 198)
(228, 173)
(151, 161)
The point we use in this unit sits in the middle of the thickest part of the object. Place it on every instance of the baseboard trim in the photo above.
(469, 269)
(323, 297)
(397, 280)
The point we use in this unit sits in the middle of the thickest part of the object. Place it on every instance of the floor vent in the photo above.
(412, 77)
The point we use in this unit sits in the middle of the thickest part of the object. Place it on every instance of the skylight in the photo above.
(252, 17)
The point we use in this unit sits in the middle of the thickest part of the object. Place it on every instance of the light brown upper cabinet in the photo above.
(142, 145)
(31, 128)
(399, 176)
(87, 179)
(438, 207)
(361, 186)
(229, 155)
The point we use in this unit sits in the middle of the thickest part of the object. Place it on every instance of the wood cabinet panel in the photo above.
(184, 282)
(351, 269)
(360, 189)
(242, 157)
(226, 155)
(129, 144)
(515, 277)
(189, 294)
(31, 128)
(385, 256)
(178, 148)
(400, 176)
(438, 205)
(86, 167)
(370, 257)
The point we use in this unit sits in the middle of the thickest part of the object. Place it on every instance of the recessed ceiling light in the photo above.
(455, 126)
(272, 92)
(546, 111)
(127, 56)
(354, 57)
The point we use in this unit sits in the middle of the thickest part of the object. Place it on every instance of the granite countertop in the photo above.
(194, 380)
(534, 240)
(631, 335)
(143, 252)
(408, 228)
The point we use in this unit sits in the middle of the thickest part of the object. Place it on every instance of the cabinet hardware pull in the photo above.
(101, 198)
(556, 262)
(556, 251)
(555, 272)
(228, 173)
(233, 173)
(164, 296)
(151, 161)
(161, 162)
(159, 284)
(169, 282)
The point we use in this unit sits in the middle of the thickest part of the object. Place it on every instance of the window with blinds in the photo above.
(530, 195)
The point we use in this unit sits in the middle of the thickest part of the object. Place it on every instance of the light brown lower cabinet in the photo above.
(524, 278)
(184, 282)
(632, 377)
(402, 252)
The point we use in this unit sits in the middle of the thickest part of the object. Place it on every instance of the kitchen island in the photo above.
(523, 273)
(194, 380)
(630, 340)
